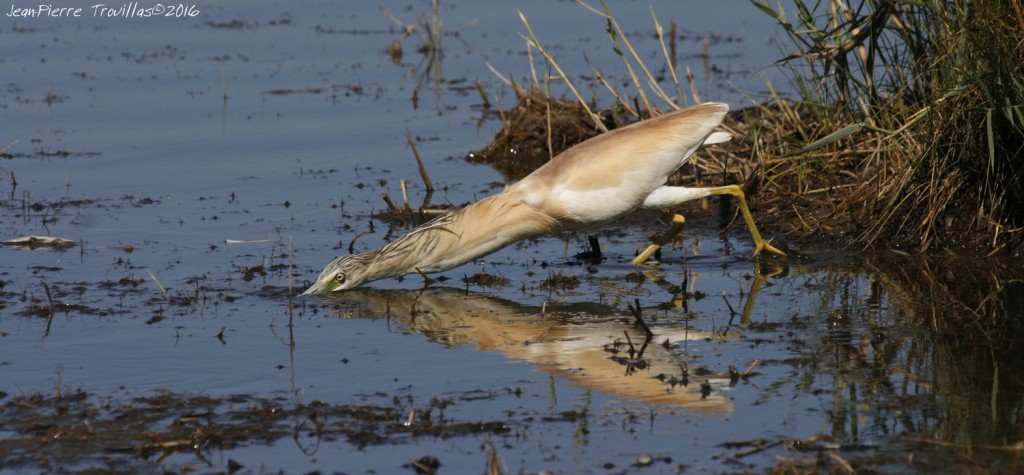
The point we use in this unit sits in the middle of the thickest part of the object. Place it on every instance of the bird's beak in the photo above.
(316, 288)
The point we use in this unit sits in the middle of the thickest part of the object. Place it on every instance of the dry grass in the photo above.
(920, 105)
(907, 130)
(537, 128)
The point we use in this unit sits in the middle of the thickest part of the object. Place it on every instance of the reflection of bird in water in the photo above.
(592, 352)
(593, 183)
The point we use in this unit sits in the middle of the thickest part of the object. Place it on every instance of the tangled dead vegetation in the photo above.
(536, 129)
(906, 130)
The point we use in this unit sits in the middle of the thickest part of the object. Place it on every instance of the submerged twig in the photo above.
(405, 196)
(483, 94)
(158, 284)
(387, 199)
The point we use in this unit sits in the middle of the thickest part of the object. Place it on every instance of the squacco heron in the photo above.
(588, 185)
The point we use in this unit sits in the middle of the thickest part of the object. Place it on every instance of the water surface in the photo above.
(156, 144)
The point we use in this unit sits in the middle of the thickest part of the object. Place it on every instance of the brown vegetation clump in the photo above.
(535, 130)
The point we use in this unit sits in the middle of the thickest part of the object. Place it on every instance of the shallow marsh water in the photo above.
(152, 142)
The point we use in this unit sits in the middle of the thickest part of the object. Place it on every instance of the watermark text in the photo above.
(103, 10)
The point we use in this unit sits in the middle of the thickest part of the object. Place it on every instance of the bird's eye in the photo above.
(340, 277)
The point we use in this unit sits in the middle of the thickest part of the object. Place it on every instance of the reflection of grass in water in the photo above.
(969, 311)
(926, 352)
(429, 30)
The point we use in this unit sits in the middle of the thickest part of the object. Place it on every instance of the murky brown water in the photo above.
(168, 337)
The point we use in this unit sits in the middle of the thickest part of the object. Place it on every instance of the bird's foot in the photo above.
(764, 246)
(677, 226)
(641, 259)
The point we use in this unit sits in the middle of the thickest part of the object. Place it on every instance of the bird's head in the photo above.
(343, 273)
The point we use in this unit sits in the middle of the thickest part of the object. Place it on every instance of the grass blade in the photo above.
(991, 141)
(766, 8)
(830, 138)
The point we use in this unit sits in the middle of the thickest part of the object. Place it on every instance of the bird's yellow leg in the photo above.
(677, 226)
(759, 243)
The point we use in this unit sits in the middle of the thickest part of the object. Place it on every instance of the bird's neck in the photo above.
(461, 236)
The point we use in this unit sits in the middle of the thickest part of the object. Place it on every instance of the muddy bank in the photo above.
(76, 432)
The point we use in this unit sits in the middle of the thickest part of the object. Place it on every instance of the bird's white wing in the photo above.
(612, 174)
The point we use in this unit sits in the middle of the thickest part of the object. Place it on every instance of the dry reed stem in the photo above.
(405, 195)
(534, 42)
(387, 199)
(877, 176)
(669, 60)
(618, 97)
(419, 163)
(652, 82)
